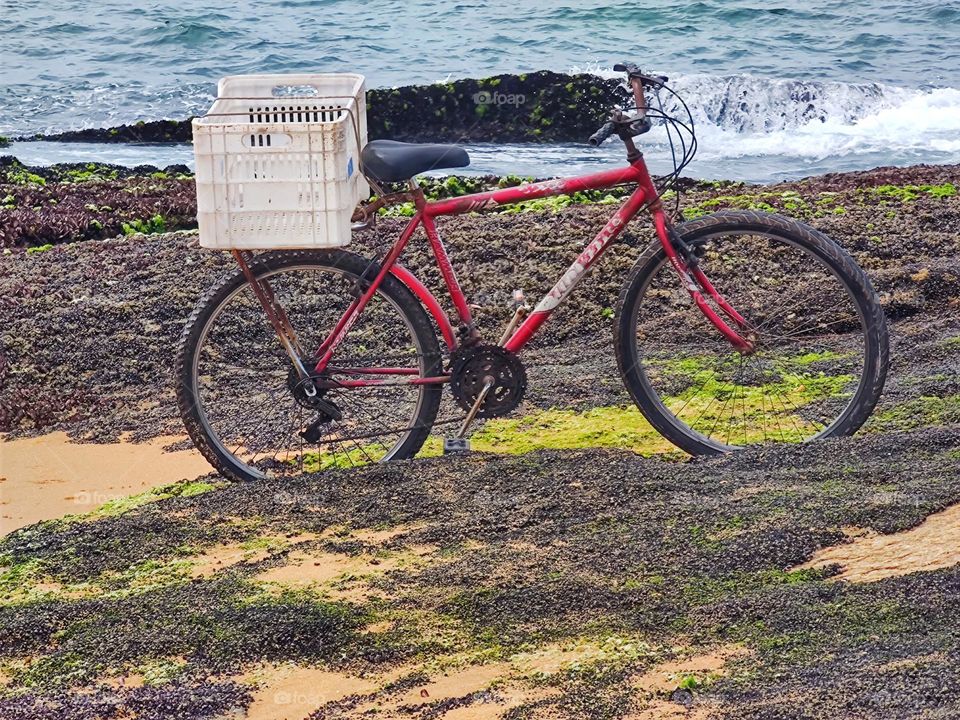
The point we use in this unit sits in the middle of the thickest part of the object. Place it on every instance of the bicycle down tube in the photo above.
(693, 279)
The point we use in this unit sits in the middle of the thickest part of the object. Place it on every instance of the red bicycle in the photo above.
(733, 329)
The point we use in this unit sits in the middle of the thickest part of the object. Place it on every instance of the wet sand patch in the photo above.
(47, 477)
(128, 682)
(477, 692)
(657, 684)
(226, 555)
(666, 710)
(343, 576)
(291, 692)
(497, 704)
(556, 658)
(932, 545)
(456, 683)
(666, 676)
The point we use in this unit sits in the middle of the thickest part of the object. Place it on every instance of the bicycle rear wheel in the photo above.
(246, 409)
(821, 338)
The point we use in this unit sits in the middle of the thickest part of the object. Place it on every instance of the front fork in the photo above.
(684, 262)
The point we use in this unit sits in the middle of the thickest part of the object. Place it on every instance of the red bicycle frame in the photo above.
(645, 195)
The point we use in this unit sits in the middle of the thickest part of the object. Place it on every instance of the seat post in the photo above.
(418, 198)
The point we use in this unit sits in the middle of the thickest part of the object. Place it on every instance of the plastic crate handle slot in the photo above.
(266, 141)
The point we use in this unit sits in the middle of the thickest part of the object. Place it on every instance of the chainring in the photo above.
(470, 370)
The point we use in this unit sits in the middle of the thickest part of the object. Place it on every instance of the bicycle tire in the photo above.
(629, 351)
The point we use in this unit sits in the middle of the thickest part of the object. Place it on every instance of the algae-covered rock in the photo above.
(536, 107)
(155, 131)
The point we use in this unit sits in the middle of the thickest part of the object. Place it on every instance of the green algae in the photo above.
(185, 488)
(92, 172)
(925, 410)
(559, 429)
(909, 193)
(22, 176)
(153, 225)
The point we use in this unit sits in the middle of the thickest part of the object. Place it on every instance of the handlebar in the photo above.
(628, 67)
(602, 134)
(638, 124)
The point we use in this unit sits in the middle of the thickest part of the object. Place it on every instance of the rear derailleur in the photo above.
(309, 396)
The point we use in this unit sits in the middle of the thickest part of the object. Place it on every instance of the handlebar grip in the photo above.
(602, 134)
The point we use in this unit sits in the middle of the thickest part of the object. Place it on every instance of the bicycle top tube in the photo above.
(634, 173)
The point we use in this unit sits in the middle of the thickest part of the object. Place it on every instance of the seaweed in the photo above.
(67, 203)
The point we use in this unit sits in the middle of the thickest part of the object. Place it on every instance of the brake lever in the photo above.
(655, 80)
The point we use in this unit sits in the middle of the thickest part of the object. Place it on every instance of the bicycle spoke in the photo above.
(797, 333)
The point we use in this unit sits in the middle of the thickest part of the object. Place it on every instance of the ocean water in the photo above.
(778, 89)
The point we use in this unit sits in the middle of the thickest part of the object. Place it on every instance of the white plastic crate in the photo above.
(278, 161)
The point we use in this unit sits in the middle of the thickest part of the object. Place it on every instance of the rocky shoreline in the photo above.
(124, 297)
(534, 107)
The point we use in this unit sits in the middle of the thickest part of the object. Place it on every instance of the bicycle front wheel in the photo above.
(248, 411)
(820, 334)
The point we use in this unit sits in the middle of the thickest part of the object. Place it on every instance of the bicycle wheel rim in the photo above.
(248, 470)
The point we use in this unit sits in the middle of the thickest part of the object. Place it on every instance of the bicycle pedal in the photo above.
(453, 445)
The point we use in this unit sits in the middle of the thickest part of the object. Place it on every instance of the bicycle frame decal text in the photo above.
(575, 273)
